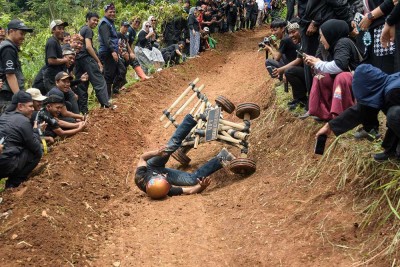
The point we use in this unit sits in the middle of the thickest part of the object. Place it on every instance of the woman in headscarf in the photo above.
(147, 55)
(194, 29)
(373, 89)
(331, 88)
(155, 42)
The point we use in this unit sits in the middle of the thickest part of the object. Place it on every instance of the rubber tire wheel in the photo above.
(225, 104)
(242, 166)
(251, 108)
(181, 157)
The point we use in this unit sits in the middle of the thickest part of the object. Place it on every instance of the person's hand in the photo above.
(82, 125)
(311, 30)
(85, 77)
(205, 182)
(161, 151)
(115, 56)
(131, 55)
(387, 36)
(284, 78)
(325, 130)
(267, 47)
(1, 149)
(364, 23)
(278, 71)
(355, 31)
(100, 66)
(194, 32)
(43, 126)
(395, 2)
(1, 83)
(310, 60)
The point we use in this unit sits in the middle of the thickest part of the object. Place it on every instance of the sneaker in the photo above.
(294, 101)
(384, 156)
(371, 135)
(304, 116)
(225, 156)
(296, 104)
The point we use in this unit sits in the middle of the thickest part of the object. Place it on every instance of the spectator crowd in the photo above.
(57, 104)
(342, 62)
(340, 59)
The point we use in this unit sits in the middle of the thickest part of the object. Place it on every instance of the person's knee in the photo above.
(393, 117)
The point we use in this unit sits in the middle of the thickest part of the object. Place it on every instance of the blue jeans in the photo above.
(176, 177)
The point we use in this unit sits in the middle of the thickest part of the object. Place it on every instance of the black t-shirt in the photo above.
(87, 33)
(142, 41)
(123, 42)
(53, 50)
(288, 48)
(9, 60)
(143, 176)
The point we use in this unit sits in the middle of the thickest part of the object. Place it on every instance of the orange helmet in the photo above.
(158, 187)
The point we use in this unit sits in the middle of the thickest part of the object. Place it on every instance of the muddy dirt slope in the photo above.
(81, 207)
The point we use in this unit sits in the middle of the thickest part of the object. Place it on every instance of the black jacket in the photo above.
(19, 135)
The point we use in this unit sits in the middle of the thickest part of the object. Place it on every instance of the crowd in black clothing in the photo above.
(325, 53)
(57, 104)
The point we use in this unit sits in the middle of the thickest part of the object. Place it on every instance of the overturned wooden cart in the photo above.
(211, 125)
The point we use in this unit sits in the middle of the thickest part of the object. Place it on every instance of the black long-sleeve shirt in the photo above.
(394, 16)
(19, 135)
(193, 23)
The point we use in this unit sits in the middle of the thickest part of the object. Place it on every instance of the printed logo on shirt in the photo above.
(10, 65)
(338, 93)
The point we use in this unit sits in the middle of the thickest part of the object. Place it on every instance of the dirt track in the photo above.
(82, 207)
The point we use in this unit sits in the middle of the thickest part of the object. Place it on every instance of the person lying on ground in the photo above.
(63, 89)
(376, 90)
(22, 147)
(151, 165)
(50, 114)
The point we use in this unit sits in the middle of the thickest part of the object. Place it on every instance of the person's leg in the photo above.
(391, 139)
(192, 45)
(295, 76)
(197, 43)
(97, 80)
(180, 178)
(110, 69)
(48, 80)
(290, 9)
(174, 142)
(26, 163)
(342, 97)
(321, 97)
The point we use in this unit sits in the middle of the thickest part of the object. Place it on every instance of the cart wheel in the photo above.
(225, 104)
(181, 157)
(250, 108)
(243, 166)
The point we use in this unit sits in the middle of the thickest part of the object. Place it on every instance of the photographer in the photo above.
(22, 150)
(50, 115)
(286, 51)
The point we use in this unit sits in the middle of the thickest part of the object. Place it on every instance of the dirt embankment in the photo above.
(83, 209)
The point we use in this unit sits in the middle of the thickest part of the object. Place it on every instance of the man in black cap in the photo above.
(10, 66)
(63, 90)
(22, 150)
(55, 62)
(50, 114)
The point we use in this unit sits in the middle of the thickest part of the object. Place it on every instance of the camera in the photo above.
(42, 116)
(267, 41)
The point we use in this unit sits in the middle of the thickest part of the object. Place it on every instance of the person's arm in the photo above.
(65, 133)
(200, 187)
(92, 53)
(275, 54)
(150, 154)
(281, 70)
(31, 137)
(12, 82)
(178, 52)
(65, 113)
(57, 61)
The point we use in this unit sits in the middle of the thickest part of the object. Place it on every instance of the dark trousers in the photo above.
(96, 78)
(5, 99)
(295, 76)
(290, 9)
(110, 67)
(309, 45)
(392, 136)
(18, 167)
